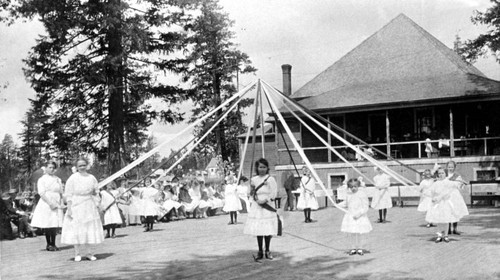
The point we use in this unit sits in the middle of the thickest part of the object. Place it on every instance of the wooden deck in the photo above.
(210, 249)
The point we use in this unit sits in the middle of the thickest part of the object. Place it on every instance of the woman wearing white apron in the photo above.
(381, 199)
(307, 200)
(48, 213)
(82, 223)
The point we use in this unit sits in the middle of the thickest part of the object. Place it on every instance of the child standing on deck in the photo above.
(356, 222)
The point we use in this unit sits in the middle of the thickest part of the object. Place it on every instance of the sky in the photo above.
(309, 35)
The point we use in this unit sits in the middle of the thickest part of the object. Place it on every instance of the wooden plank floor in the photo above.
(210, 249)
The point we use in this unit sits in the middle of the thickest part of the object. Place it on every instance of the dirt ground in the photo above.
(403, 248)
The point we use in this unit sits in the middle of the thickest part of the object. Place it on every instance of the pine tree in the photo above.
(213, 63)
(97, 65)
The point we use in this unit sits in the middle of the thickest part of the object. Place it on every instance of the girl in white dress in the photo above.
(232, 201)
(48, 214)
(109, 205)
(426, 193)
(307, 200)
(262, 221)
(82, 224)
(356, 222)
(150, 208)
(442, 210)
(381, 199)
(456, 197)
(135, 207)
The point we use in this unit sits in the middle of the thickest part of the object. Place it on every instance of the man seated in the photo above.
(18, 216)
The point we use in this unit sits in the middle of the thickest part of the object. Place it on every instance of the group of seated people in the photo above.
(16, 210)
(172, 201)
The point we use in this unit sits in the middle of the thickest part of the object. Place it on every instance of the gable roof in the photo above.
(400, 62)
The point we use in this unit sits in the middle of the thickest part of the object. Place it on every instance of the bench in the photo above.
(485, 191)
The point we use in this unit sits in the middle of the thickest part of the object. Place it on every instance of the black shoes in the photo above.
(268, 255)
(260, 256)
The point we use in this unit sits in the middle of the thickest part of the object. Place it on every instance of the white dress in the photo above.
(85, 226)
(442, 211)
(149, 207)
(425, 195)
(456, 197)
(381, 198)
(307, 199)
(136, 205)
(357, 205)
(49, 186)
(170, 202)
(112, 214)
(232, 201)
(261, 221)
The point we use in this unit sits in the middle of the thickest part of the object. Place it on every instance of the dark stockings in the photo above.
(50, 236)
(267, 239)
(382, 213)
(455, 225)
(149, 222)
(234, 217)
(307, 214)
(259, 242)
(111, 228)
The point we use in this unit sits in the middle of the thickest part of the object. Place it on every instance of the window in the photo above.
(485, 174)
(336, 180)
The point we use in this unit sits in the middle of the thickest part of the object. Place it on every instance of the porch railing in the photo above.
(485, 146)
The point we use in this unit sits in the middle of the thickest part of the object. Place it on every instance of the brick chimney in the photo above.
(287, 79)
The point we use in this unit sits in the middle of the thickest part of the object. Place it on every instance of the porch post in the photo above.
(388, 133)
(452, 137)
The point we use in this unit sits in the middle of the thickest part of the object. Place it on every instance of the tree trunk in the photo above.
(115, 87)
(219, 131)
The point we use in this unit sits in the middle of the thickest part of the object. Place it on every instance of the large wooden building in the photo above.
(402, 91)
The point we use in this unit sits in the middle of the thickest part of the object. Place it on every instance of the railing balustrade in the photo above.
(485, 146)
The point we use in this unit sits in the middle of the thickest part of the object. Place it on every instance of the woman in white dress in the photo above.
(262, 220)
(356, 222)
(307, 200)
(426, 193)
(456, 197)
(82, 224)
(442, 210)
(48, 214)
(381, 199)
(232, 202)
(150, 208)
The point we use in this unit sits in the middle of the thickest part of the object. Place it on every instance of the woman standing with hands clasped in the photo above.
(48, 213)
(261, 220)
(82, 224)
(307, 200)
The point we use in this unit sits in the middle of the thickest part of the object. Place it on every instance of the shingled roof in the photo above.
(399, 63)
